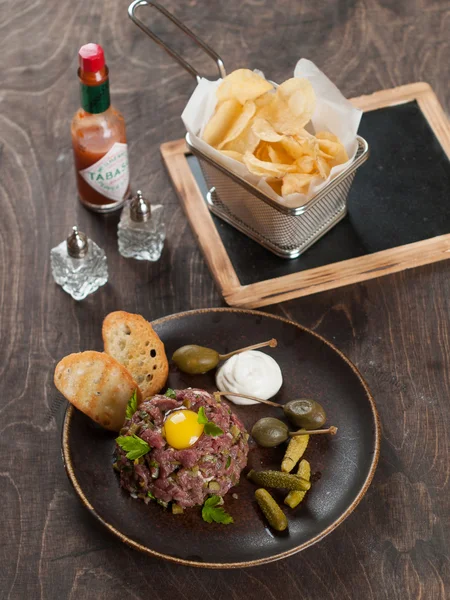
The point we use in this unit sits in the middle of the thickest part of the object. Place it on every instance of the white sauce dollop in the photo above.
(251, 372)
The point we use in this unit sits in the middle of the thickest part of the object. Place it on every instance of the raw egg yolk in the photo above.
(182, 429)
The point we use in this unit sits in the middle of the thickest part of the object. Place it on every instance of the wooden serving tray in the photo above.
(399, 209)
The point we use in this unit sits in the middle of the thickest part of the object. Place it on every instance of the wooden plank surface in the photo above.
(396, 328)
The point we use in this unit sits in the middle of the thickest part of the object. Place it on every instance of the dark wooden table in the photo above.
(395, 545)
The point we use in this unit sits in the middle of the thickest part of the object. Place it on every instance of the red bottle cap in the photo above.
(91, 58)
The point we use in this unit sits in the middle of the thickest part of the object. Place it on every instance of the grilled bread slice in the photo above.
(130, 339)
(97, 385)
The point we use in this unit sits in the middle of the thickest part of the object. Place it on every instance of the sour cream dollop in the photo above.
(251, 372)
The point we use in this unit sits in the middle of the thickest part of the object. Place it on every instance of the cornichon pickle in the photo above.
(195, 360)
(273, 513)
(277, 479)
(307, 414)
(295, 450)
(294, 497)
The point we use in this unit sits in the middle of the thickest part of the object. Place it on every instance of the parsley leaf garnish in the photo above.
(202, 418)
(132, 405)
(211, 512)
(133, 445)
(170, 393)
(228, 462)
(210, 428)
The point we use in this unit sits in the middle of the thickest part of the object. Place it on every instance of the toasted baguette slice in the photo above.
(97, 385)
(130, 339)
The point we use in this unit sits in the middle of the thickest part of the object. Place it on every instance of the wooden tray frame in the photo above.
(321, 278)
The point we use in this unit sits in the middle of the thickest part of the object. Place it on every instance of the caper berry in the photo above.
(269, 432)
(195, 360)
(307, 414)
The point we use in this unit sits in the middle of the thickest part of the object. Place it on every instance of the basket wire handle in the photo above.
(173, 53)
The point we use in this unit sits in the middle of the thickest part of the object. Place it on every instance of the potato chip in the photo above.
(242, 85)
(265, 168)
(303, 134)
(221, 121)
(331, 148)
(300, 98)
(240, 123)
(306, 164)
(293, 147)
(324, 154)
(275, 184)
(264, 130)
(295, 183)
(294, 84)
(309, 146)
(246, 141)
(340, 159)
(265, 99)
(277, 113)
(262, 152)
(335, 151)
(323, 166)
(263, 127)
(278, 154)
(273, 156)
(327, 135)
(291, 108)
(232, 154)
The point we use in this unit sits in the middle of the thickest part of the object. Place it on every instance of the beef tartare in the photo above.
(186, 477)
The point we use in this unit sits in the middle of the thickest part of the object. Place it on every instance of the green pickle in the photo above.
(294, 452)
(294, 497)
(273, 513)
(278, 479)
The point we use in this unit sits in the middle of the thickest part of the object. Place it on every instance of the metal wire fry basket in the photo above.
(284, 230)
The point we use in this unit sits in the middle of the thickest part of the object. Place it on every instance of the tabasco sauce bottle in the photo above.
(98, 137)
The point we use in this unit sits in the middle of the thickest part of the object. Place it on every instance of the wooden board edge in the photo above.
(208, 238)
(426, 99)
(392, 96)
(354, 270)
(169, 149)
(436, 117)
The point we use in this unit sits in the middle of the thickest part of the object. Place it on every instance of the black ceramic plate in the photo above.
(342, 466)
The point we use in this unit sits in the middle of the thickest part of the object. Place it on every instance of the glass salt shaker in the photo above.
(79, 265)
(141, 229)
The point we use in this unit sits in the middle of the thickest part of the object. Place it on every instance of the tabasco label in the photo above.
(110, 175)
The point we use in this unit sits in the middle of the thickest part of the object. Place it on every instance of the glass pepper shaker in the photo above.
(141, 230)
(79, 265)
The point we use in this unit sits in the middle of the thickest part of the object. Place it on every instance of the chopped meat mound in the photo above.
(186, 477)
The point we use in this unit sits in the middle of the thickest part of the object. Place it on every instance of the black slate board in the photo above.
(399, 196)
